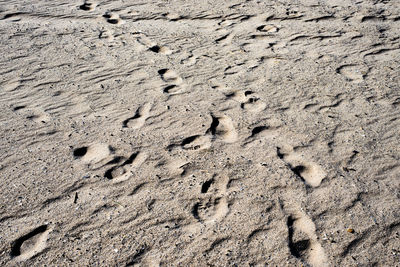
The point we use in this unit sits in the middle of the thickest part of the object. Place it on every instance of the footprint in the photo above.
(93, 154)
(154, 47)
(237, 95)
(193, 143)
(140, 117)
(113, 18)
(172, 89)
(190, 60)
(196, 142)
(303, 242)
(124, 171)
(170, 76)
(210, 210)
(225, 39)
(39, 117)
(33, 114)
(176, 167)
(160, 49)
(259, 135)
(88, 6)
(206, 185)
(222, 127)
(248, 101)
(176, 85)
(264, 132)
(311, 173)
(214, 206)
(354, 73)
(30, 244)
(106, 35)
(253, 104)
(267, 28)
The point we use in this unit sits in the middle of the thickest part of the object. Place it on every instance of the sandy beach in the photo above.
(199, 133)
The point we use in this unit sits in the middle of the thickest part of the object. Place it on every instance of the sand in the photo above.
(199, 133)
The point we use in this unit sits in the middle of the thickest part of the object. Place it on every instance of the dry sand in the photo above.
(199, 133)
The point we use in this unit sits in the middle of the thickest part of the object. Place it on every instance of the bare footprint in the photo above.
(210, 210)
(124, 171)
(222, 127)
(253, 104)
(113, 18)
(176, 85)
(93, 154)
(140, 117)
(170, 76)
(193, 143)
(176, 167)
(30, 244)
(237, 95)
(248, 101)
(311, 173)
(260, 134)
(303, 242)
(214, 206)
(268, 28)
(196, 142)
(154, 47)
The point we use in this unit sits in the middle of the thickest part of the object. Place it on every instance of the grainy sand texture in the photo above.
(199, 133)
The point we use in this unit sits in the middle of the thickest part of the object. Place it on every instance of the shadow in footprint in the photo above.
(87, 6)
(125, 122)
(296, 248)
(160, 49)
(155, 48)
(258, 130)
(18, 108)
(206, 186)
(80, 152)
(195, 211)
(189, 140)
(169, 89)
(298, 170)
(213, 126)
